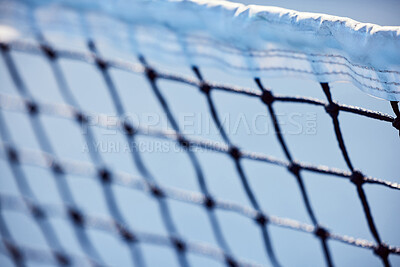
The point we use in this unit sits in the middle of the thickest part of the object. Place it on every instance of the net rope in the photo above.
(117, 226)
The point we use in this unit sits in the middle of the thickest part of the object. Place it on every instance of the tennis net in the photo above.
(379, 82)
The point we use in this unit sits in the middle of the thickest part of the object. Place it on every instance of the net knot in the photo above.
(157, 192)
(357, 178)
(321, 232)
(14, 251)
(12, 154)
(261, 219)
(101, 63)
(382, 251)
(104, 175)
(4, 47)
(332, 109)
(62, 259)
(128, 128)
(76, 216)
(151, 74)
(179, 244)
(235, 152)
(126, 234)
(294, 168)
(81, 118)
(50, 53)
(205, 87)
(230, 261)
(56, 168)
(32, 108)
(209, 202)
(183, 142)
(396, 123)
(37, 212)
(267, 97)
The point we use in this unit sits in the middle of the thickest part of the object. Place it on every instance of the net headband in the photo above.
(254, 41)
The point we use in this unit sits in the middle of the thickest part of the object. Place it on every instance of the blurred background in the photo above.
(308, 130)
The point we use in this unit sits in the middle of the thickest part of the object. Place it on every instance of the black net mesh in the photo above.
(117, 226)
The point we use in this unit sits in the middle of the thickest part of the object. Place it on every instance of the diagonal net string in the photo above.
(178, 243)
(45, 145)
(106, 177)
(209, 203)
(357, 177)
(268, 99)
(26, 190)
(236, 155)
(164, 209)
(103, 173)
(8, 241)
